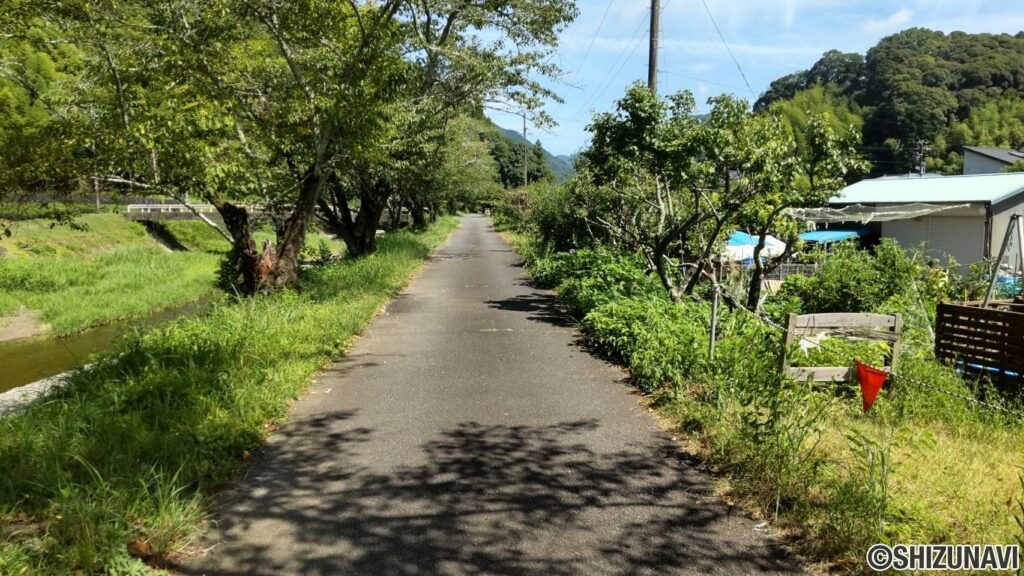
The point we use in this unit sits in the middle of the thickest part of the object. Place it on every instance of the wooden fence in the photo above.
(879, 327)
(984, 342)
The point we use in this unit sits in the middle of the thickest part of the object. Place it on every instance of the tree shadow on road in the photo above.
(538, 306)
(480, 499)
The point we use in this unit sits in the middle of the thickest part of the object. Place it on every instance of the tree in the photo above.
(661, 182)
(918, 89)
(796, 176)
(263, 102)
(454, 68)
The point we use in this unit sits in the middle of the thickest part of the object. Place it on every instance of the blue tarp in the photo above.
(829, 236)
(739, 238)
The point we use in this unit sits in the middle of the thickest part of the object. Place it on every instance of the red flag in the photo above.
(871, 381)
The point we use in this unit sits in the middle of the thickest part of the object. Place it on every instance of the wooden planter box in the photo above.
(984, 342)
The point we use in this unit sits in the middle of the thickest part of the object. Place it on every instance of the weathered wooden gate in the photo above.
(845, 325)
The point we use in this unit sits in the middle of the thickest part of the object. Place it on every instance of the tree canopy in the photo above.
(917, 93)
(305, 109)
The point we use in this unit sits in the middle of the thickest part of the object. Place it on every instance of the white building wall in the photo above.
(1001, 215)
(962, 237)
(975, 163)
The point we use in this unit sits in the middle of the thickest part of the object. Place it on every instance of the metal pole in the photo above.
(526, 155)
(714, 323)
(1015, 220)
(652, 56)
(1019, 220)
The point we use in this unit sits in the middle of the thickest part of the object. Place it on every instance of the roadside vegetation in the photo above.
(97, 269)
(116, 467)
(625, 244)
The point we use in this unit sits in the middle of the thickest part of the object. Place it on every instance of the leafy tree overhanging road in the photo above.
(467, 433)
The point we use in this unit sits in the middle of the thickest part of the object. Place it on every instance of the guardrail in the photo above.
(169, 208)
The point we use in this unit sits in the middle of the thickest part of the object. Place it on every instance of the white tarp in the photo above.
(740, 247)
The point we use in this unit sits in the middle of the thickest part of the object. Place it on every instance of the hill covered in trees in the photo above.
(560, 166)
(916, 93)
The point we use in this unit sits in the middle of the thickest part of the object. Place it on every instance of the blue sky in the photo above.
(768, 37)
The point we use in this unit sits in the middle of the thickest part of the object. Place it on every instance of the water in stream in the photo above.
(27, 360)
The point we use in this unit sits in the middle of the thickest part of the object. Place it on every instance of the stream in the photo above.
(28, 360)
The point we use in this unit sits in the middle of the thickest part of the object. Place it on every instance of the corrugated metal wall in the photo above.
(1000, 221)
(962, 237)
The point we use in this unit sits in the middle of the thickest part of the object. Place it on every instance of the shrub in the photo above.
(849, 280)
(662, 342)
(612, 278)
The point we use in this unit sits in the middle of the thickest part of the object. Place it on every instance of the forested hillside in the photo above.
(560, 167)
(918, 92)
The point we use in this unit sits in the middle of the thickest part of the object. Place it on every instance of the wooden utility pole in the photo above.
(526, 154)
(652, 57)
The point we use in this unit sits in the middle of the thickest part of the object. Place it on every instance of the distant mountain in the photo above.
(561, 166)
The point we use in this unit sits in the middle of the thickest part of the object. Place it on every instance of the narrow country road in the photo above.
(467, 433)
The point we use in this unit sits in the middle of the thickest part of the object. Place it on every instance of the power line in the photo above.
(727, 49)
(623, 65)
(608, 78)
(704, 80)
(592, 40)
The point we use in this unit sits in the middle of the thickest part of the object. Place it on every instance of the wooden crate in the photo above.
(984, 342)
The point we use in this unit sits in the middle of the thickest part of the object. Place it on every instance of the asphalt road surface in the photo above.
(468, 433)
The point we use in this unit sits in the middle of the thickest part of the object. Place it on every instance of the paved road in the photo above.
(467, 433)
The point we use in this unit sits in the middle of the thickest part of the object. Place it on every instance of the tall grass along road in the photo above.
(466, 433)
(112, 471)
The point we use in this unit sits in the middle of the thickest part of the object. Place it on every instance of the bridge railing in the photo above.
(169, 208)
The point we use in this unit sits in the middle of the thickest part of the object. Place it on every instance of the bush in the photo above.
(59, 211)
(663, 343)
(614, 277)
(849, 280)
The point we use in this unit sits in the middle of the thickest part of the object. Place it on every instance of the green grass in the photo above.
(74, 294)
(92, 234)
(103, 269)
(197, 236)
(921, 467)
(126, 450)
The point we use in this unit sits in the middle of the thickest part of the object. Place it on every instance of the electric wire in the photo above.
(592, 40)
(727, 49)
(608, 78)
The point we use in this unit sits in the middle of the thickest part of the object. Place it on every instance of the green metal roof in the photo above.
(992, 188)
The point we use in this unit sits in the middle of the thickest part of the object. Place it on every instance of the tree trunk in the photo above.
(695, 279)
(756, 276)
(419, 218)
(240, 270)
(659, 251)
(289, 244)
(395, 205)
(359, 231)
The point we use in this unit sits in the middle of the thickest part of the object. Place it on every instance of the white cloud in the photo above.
(898, 19)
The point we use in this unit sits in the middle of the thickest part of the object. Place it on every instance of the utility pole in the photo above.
(526, 154)
(922, 149)
(652, 57)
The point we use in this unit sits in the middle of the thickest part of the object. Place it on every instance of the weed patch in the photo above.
(922, 467)
(110, 469)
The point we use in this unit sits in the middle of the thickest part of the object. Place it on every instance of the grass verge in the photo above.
(113, 467)
(73, 294)
(921, 468)
(101, 270)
